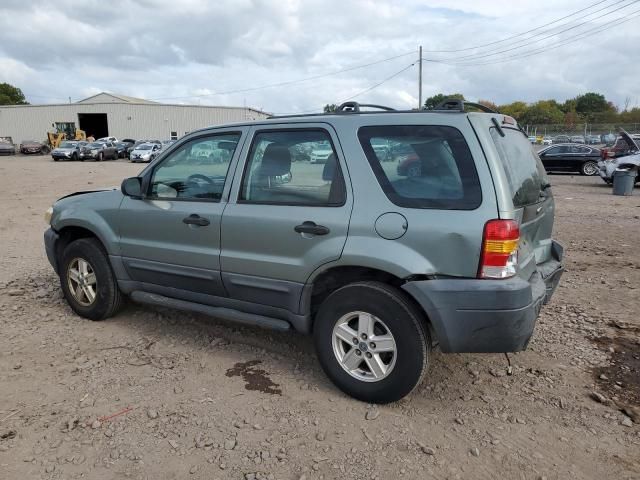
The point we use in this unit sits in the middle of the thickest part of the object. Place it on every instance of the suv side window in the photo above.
(293, 167)
(423, 166)
(197, 170)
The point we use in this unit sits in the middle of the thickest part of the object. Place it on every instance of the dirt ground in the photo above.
(161, 394)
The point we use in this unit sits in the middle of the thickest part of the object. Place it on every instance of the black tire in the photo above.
(99, 159)
(74, 157)
(109, 299)
(55, 159)
(403, 320)
(589, 168)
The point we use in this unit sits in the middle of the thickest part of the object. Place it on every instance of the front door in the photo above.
(171, 237)
(286, 215)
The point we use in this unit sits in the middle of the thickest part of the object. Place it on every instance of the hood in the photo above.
(629, 140)
(6, 146)
(141, 152)
(83, 192)
(64, 150)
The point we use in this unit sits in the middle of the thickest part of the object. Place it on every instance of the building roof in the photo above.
(103, 97)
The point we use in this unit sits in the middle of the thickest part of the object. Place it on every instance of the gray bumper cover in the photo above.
(490, 316)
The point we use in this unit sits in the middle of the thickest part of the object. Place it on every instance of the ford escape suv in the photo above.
(379, 266)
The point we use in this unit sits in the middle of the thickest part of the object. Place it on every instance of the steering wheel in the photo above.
(199, 176)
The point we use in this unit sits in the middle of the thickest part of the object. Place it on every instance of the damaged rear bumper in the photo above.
(487, 316)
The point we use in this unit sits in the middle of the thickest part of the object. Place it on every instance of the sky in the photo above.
(224, 52)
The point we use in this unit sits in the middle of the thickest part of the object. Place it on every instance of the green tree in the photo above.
(544, 112)
(330, 108)
(10, 95)
(515, 109)
(432, 102)
(591, 103)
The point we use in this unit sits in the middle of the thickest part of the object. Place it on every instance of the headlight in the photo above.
(94, 151)
(47, 215)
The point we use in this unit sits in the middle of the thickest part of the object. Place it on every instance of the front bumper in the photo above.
(51, 238)
(84, 155)
(487, 316)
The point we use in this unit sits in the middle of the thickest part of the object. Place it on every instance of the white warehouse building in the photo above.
(108, 114)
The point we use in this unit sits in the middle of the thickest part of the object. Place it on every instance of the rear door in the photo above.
(527, 196)
(284, 218)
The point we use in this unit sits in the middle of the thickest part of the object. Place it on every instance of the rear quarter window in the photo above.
(423, 166)
(522, 166)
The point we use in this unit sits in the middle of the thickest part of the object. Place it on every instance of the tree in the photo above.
(542, 112)
(515, 109)
(591, 103)
(432, 102)
(330, 108)
(10, 95)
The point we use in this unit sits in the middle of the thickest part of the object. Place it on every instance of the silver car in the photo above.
(145, 152)
(377, 266)
(68, 150)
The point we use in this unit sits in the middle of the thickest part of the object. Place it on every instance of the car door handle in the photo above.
(195, 219)
(311, 228)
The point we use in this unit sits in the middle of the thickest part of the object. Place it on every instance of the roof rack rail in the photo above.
(459, 105)
(354, 107)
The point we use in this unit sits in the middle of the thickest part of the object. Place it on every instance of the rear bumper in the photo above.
(51, 238)
(487, 316)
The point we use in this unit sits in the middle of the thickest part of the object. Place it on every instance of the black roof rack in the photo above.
(459, 105)
(354, 107)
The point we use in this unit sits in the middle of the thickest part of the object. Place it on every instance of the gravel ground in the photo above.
(163, 394)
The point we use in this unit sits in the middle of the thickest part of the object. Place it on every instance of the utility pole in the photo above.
(420, 77)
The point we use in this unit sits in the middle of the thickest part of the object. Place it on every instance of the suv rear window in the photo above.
(423, 166)
(522, 166)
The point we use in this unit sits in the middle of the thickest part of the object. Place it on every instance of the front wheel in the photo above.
(372, 342)
(589, 168)
(87, 281)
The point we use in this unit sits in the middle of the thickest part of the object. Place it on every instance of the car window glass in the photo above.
(294, 167)
(196, 170)
(552, 151)
(564, 149)
(522, 166)
(421, 166)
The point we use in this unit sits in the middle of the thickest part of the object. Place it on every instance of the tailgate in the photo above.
(532, 206)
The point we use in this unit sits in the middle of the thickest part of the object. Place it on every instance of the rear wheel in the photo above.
(589, 168)
(372, 342)
(99, 159)
(87, 281)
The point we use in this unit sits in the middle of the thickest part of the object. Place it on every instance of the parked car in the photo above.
(626, 151)
(593, 139)
(122, 149)
(570, 158)
(547, 141)
(6, 146)
(31, 146)
(145, 152)
(608, 139)
(321, 152)
(378, 267)
(98, 151)
(561, 139)
(67, 150)
(532, 139)
(577, 139)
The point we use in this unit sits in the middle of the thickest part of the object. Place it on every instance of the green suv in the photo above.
(378, 265)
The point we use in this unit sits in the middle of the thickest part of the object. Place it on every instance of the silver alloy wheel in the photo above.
(364, 346)
(590, 168)
(82, 282)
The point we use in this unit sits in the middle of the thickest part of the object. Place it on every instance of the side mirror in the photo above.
(132, 187)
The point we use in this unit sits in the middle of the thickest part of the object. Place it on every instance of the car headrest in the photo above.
(276, 160)
(329, 169)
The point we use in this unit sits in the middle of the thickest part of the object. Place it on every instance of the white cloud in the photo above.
(162, 48)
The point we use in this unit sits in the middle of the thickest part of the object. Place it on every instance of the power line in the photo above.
(290, 82)
(362, 92)
(620, 20)
(518, 34)
(497, 52)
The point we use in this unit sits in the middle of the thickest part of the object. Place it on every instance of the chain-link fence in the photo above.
(588, 133)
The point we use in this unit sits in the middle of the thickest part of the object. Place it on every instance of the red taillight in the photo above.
(499, 255)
